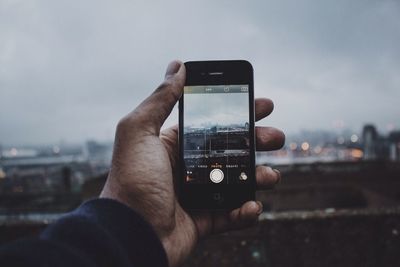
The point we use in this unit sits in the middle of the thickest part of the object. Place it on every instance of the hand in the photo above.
(144, 169)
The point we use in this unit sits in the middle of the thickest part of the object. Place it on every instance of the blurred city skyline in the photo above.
(70, 72)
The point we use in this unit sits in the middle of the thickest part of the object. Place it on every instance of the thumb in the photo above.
(153, 111)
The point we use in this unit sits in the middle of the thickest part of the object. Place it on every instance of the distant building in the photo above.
(99, 156)
(394, 146)
(377, 147)
(370, 139)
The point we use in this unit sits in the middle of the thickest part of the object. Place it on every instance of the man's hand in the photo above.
(145, 166)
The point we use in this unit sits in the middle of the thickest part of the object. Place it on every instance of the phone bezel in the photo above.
(199, 196)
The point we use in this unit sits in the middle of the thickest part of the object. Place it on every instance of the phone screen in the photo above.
(216, 135)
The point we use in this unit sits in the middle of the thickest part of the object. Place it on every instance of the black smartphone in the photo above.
(216, 135)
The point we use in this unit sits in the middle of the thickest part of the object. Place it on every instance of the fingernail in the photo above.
(279, 176)
(172, 68)
(260, 207)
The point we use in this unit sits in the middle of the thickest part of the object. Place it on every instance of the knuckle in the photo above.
(127, 124)
(164, 85)
(124, 123)
(135, 124)
(266, 171)
(168, 87)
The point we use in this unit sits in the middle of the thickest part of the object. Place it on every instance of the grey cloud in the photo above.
(70, 71)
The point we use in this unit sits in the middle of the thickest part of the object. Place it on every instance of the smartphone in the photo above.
(216, 135)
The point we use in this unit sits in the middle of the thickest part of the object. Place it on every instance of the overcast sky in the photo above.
(70, 69)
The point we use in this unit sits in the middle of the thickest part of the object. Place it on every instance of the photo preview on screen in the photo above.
(216, 134)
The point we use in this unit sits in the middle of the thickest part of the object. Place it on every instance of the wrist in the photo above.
(180, 242)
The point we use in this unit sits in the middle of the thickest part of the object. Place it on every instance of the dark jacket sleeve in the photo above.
(101, 232)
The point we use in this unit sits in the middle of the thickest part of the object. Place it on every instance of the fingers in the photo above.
(240, 218)
(263, 107)
(246, 215)
(267, 177)
(269, 138)
(222, 221)
(152, 112)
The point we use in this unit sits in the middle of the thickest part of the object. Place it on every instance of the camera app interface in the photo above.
(216, 134)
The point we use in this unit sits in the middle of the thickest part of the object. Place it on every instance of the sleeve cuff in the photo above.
(110, 227)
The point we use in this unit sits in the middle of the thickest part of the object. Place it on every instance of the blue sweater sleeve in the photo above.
(101, 232)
